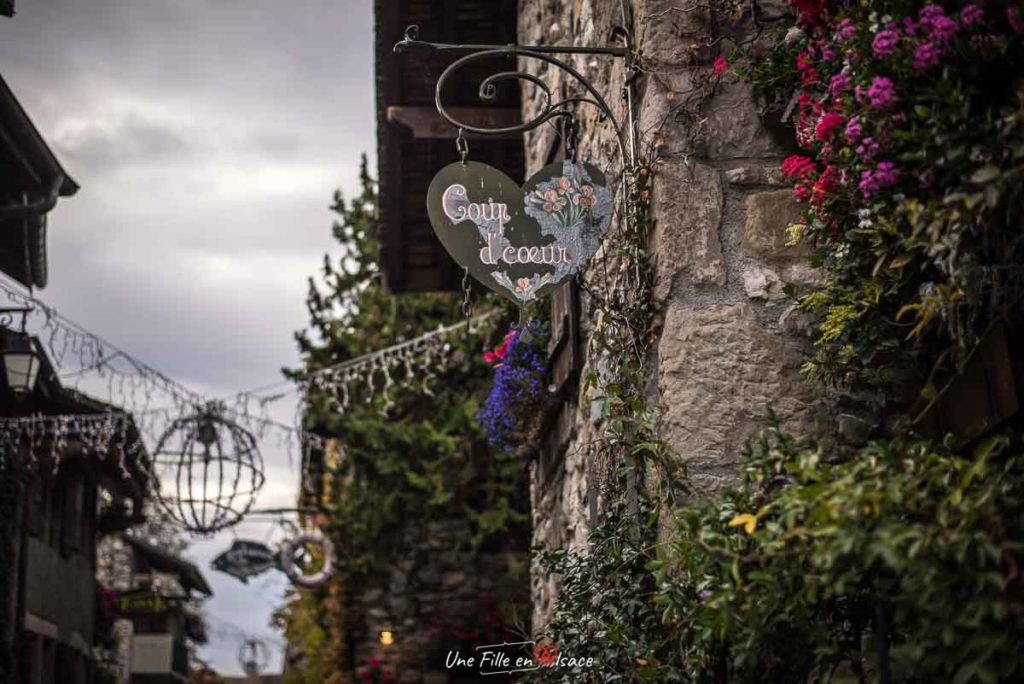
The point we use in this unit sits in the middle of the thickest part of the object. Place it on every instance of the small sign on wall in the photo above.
(520, 241)
(140, 602)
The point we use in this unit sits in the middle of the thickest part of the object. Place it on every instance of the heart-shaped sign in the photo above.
(520, 242)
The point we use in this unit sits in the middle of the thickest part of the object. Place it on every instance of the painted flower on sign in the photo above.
(566, 199)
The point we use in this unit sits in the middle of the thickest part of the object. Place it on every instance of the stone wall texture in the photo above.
(433, 597)
(731, 342)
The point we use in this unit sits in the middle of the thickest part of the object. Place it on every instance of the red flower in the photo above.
(824, 186)
(808, 75)
(797, 167)
(721, 64)
(828, 126)
(810, 12)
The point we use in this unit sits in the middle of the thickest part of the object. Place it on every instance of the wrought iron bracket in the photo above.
(553, 109)
(7, 316)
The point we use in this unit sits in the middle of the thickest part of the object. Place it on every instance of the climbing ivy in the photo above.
(894, 560)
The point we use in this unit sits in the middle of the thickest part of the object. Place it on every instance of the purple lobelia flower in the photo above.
(518, 390)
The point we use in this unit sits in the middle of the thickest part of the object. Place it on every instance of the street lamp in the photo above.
(20, 359)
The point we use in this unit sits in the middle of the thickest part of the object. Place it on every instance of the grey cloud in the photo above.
(208, 137)
(130, 140)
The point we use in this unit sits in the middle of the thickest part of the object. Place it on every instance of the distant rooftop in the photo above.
(31, 180)
(164, 561)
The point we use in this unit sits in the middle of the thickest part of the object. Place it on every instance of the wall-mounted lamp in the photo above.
(387, 637)
(19, 355)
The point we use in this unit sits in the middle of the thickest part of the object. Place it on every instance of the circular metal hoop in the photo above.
(289, 550)
(207, 471)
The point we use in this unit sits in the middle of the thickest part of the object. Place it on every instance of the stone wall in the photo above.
(731, 342)
(434, 596)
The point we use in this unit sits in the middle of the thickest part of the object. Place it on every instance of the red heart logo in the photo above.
(545, 654)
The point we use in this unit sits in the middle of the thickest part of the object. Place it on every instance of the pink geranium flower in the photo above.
(845, 30)
(971, 15)
(943, 29)
(926, 56)
(721, 65)
(884, 43)
(839, 84)
(881, 93)
(808, 75)
(853, 130)
(884, 175)
(867, 148)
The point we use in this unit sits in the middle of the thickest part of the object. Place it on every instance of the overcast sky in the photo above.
(208, 137)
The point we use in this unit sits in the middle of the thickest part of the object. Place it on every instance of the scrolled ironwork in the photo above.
(551, 108)
(7, 316)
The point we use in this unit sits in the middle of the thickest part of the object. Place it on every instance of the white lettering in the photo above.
(550, 255)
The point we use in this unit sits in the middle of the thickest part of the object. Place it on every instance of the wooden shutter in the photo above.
(74, 504)
(563, 349)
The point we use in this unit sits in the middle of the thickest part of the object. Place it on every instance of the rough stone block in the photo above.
(756, 175)
(762, 283)
(670, 33)
(734, 128)
(687, 208)
(768, 216)
(718, 372)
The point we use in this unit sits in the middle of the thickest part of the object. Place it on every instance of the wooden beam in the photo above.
(425, 121)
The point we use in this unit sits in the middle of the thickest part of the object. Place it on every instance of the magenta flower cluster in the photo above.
(971, 15)
(839, 84)
(846, 30)
(859, 79)
(885, 42)
(881, 93)
(883, 176)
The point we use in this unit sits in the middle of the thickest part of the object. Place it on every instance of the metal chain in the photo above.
(462, 145)
(570, 130)
(467, 303)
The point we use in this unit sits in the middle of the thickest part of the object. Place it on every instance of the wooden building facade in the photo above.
(414, 141)
(60, 487)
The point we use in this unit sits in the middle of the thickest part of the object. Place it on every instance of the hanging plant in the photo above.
(911, 120)
(511, 414)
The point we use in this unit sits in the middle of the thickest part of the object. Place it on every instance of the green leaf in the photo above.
(985, 174)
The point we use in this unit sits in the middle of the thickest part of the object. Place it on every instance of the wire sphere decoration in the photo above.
(253, 656)
(207, 471)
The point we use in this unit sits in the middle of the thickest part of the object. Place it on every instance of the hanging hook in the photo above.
(462, 145)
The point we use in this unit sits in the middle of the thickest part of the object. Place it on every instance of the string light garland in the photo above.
(375, 372)
(153, 402)
(46, 434)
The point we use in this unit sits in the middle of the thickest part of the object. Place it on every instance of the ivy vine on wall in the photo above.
(894, 560)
